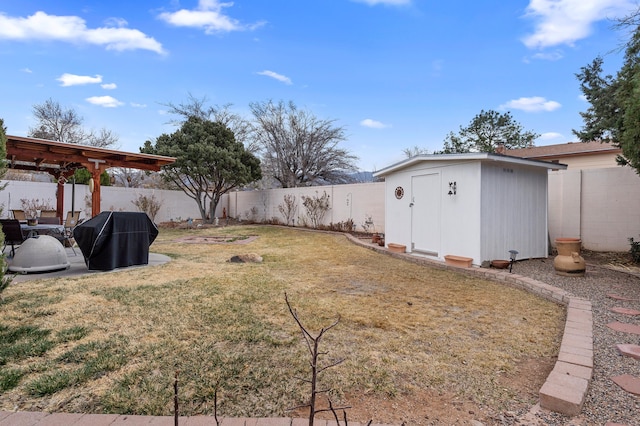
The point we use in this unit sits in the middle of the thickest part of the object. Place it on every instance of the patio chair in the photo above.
(46, 220)
(19, 215)
(12, 234)
(72, 220)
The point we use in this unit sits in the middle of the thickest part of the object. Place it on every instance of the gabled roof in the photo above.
(466, 157)
(564, 150)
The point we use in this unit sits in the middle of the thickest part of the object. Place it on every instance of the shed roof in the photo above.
(467, 157)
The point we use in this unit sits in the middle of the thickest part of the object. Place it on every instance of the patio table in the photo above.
(56, 231)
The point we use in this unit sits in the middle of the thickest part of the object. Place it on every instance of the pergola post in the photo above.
(61, 178)
(96, 168)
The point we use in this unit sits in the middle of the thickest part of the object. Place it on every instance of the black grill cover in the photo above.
(113, 240)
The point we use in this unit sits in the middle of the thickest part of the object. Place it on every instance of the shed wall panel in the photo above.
(513, 211)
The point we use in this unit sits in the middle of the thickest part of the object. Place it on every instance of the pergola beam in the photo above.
(62, 159)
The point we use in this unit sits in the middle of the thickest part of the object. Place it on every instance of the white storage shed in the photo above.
(475, 205)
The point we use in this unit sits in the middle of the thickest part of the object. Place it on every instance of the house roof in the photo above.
(467, 157)
(570, 149)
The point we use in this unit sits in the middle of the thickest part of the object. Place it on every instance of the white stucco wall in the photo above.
(600, 206)
(174, 204)
(355, 202)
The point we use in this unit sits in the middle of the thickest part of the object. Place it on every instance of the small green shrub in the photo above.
(148, 205)
(634, 250)
(316, 206)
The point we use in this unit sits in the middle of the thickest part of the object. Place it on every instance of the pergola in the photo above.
(62, 159)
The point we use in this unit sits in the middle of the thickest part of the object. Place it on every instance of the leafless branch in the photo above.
(314, 352)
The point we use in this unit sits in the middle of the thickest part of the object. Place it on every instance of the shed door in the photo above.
(425, 213)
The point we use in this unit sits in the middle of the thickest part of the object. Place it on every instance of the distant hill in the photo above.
(363, 177)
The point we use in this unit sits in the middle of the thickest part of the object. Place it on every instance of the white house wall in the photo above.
(514, 211)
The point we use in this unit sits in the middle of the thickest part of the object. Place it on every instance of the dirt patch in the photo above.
(431, 407)
(217, 239)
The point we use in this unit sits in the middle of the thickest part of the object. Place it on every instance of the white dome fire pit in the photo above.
(42, 253)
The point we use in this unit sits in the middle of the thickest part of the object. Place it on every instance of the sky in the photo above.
(394, 74)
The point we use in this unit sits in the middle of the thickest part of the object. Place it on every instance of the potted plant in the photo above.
(32, 209)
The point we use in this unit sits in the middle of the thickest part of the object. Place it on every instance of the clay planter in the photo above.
(375, 238)
(397, 248)
(500, 264)
(459, 261)
(568, 262)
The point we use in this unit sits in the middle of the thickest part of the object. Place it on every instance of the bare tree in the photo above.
(197, 107)
(127, 177)
(313, 347)
(415, 151)
(299, 149)
(65, 125)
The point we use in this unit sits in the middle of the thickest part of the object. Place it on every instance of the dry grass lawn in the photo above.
(112, 342)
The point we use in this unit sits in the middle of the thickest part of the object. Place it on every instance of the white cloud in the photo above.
(373, 124)
(208, 15)
(116, 22)
(384, 2)
(533, 104)
(109, 86)
(137, 105)
(279, 77)
(67, 79)
(73, 29)
(583, 98)
(104, 101)
(546, 56)
(27, 70)
(566, 21)
(550, 136)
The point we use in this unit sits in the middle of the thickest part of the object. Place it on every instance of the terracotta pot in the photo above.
(459, 261)
(568, 262)
(397, 248)
(500, 264)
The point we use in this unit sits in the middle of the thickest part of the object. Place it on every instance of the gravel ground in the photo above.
(606, 401)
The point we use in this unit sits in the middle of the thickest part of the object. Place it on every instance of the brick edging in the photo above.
(566, 387)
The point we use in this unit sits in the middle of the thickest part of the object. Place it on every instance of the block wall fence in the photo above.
(600, 206)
